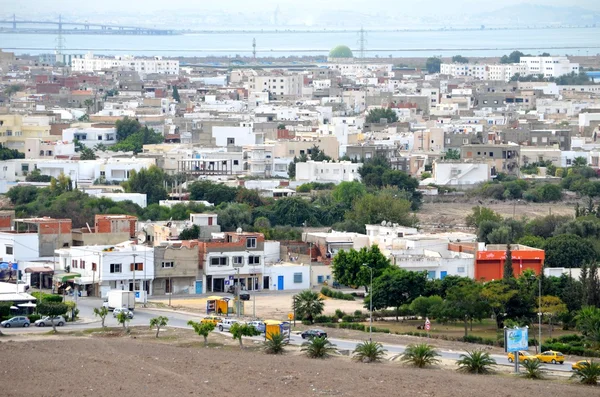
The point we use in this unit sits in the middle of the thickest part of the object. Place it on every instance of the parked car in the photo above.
(244, 295)
(226, 324)
(313, 333)
(551, 356)
(123, 309)
(259, 325)
(18, 321)
(524, 357)
(579, 364)
(211, 319)
(42, 322)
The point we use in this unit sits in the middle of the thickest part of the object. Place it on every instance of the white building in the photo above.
(136, 198)
(277, 84)
(327, 171)
(143, 66)
(16, 247)
(91, 135)
(549, 66)
(236, 136)
(287, 276)
(110, 267)
(36, 148)
(258, 160)
(457, 173)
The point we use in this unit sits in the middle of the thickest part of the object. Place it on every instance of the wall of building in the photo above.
(287, 272)
(184, 271)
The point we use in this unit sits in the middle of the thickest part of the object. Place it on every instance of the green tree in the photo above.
(588, 323)
(123, 319)
(294, 211)
(348, 269)
(459, 59)
(374, 208)
(425, 306)
(463, 303)
(497, 295)
(13, 89)
(52, 310)
(36, 176)
(552, 307)
(127, 127)
(508, 264)
(87, 154)
(568, 250)
(420, 355)
(375, 115)
(452, 154)
(239, 330)
(347, 192)
(514, 57)
(9, 154)
(319, 347)
(234, 215)
(481, 214)
(307, 305)
(369, 352)
(214, 193)
(433, 64)
(396, 287)
(148, 181)
(580, 162)
(203, 329)
(176, 94)
(101, 312)
(476, 362)
(190, 233)
(158, 322)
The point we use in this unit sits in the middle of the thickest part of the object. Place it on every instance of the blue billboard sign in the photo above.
(516, 339)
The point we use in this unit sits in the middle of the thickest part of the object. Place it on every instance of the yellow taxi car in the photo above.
(211, 319)
(552, 357)
(579, 364)
(523, 357)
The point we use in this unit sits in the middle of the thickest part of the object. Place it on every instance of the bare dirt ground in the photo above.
(275, 307)
(175, 365)
(452, 213)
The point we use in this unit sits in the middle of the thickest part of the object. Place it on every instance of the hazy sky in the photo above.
(415, 7)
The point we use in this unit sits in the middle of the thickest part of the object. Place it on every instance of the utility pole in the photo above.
(540, 311)
(134, 256)
(144, 265)
(237, 290)
(254, 48)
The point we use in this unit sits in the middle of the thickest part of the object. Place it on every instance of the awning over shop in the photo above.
(65, 276)
(84, 280)
(39, 270)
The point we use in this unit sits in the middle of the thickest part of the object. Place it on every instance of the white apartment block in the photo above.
(286, 85)
(548, 66)
(357, 69)
(90, 135)
(326, 171)
(90, 63)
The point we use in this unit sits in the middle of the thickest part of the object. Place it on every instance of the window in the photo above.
(254, 260)
(236, 162)
(138, 266)
(231, 141)
(25, 167)
(297, 278)
(9, 250)
(460, 269)
(82, 264)
(94, 267)
(218, 261)
(569, 161)
(238, 260)
(102, 173)
(115, 268)
(167, 265)
(251, 242)
(431, 274)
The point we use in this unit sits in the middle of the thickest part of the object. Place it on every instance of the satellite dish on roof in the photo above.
(141, 237)
(238, 230)
(382, 223)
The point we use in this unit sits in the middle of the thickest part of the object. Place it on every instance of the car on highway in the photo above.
(123, 309)
(42, 322)
(259, 325)
(551, 356)
(18, 321)
(524, 357)
(225, 324)
(579, 364)
(313, 333)
(244, 295)
(211, 319)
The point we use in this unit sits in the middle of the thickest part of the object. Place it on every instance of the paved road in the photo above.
(179, 320)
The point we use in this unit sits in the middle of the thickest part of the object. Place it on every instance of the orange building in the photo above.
(489, 264)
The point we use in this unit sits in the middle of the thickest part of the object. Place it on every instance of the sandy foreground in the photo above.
(177, 365)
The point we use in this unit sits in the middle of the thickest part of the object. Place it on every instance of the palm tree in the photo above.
(318, 347)
(533, 369)
(588, 372)
(476, 362)
(158, 322)
(274, 344)
(308, 304)
(421, 355)
(369, 352)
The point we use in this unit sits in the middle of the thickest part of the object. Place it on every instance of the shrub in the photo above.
(369, 352)
(421, 355)
(336, 294)
(475, 362)
(34, 317)
(533, 369)
(358, 313)
(275, 344)
(347, 319)
(355, 326)
(380, 330)
(306, 322)
(321, 319)
(339, 313)
(588, 373)
(318, 348)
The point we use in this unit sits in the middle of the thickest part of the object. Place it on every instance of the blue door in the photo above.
(280, 283)
(443, 274)
(198, 286)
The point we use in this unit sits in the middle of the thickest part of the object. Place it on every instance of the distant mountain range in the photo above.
(530, 14)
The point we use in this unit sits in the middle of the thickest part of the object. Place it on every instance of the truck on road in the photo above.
(119, 299)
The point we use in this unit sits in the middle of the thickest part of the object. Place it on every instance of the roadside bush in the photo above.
(380, 330)
(336, 294)
(34, 317)
(369, 352)
(567, 348)
(306, 322)
(533, 369)
(321, 319)
(44, 297)
(421, 355)
(355, 326)
(347, 319)
(339, 314)
(475, 362)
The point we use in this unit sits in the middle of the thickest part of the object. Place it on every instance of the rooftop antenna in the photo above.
(254, 48)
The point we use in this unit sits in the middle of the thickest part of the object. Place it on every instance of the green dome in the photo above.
(341, 51)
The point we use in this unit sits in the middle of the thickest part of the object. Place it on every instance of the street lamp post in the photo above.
(370, 304)
(540, 311)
